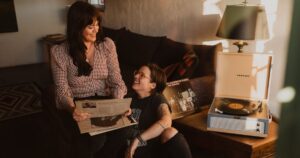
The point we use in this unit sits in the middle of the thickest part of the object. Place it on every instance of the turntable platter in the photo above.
(238, 106)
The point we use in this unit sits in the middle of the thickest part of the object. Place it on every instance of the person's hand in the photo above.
(131, 149)
(79, 115)
(128, 112)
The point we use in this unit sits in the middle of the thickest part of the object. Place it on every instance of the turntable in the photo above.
(239, 107)
(240, 103)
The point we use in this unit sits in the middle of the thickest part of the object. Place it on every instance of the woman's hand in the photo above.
(131, 149)
(80, 116)
(128, 112)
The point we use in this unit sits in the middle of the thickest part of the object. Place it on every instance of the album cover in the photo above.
(106, 115)
(181, 98)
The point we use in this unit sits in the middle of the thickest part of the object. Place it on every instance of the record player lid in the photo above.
(243, 75)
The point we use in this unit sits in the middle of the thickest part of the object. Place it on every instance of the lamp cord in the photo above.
(245, 2)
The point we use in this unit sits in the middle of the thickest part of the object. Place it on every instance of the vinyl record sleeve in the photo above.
(181, 97)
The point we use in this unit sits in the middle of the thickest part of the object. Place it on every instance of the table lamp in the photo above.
(242, 22)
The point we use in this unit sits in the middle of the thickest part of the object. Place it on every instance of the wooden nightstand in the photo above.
(194, 129)
(49, 41)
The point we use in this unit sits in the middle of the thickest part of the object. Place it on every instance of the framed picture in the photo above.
(98, 3)
(8, 16)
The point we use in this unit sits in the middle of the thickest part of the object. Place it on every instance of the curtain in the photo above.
(289, 125)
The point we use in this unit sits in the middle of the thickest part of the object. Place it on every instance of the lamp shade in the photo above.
(241, 22)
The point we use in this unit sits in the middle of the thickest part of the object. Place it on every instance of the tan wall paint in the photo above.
(180, 20)
(279, 45)
(35, 18)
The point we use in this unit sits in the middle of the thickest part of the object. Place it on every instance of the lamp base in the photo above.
(240, 45)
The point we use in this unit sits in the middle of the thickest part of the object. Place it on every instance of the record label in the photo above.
(235, 105)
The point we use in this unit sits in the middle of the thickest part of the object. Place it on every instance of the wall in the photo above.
(279, 46)
(35, 18)
(196, 22)
(180, 20)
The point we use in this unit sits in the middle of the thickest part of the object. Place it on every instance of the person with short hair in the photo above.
(153, 136)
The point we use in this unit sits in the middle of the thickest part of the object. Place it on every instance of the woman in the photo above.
(86, 65)
(154, 136)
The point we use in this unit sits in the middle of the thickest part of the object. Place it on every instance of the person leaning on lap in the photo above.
(153, 136)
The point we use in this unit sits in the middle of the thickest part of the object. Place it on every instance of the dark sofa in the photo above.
(179, 60)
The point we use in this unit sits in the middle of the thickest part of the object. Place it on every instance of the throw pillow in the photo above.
(183, 69)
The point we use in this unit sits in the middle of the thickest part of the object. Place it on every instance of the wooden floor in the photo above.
(34, 136)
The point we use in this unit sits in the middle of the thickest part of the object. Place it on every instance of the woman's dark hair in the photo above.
(80, 15)
(157, 76)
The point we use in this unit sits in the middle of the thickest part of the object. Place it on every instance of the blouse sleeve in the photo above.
(114, 80)
(59, 73)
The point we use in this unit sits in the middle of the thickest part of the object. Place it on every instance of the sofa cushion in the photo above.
(114, 34)
(136, 49)
(207, 56)
(183, 69)
(169, 52)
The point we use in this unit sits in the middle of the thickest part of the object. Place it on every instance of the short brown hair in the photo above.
(157, 76)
